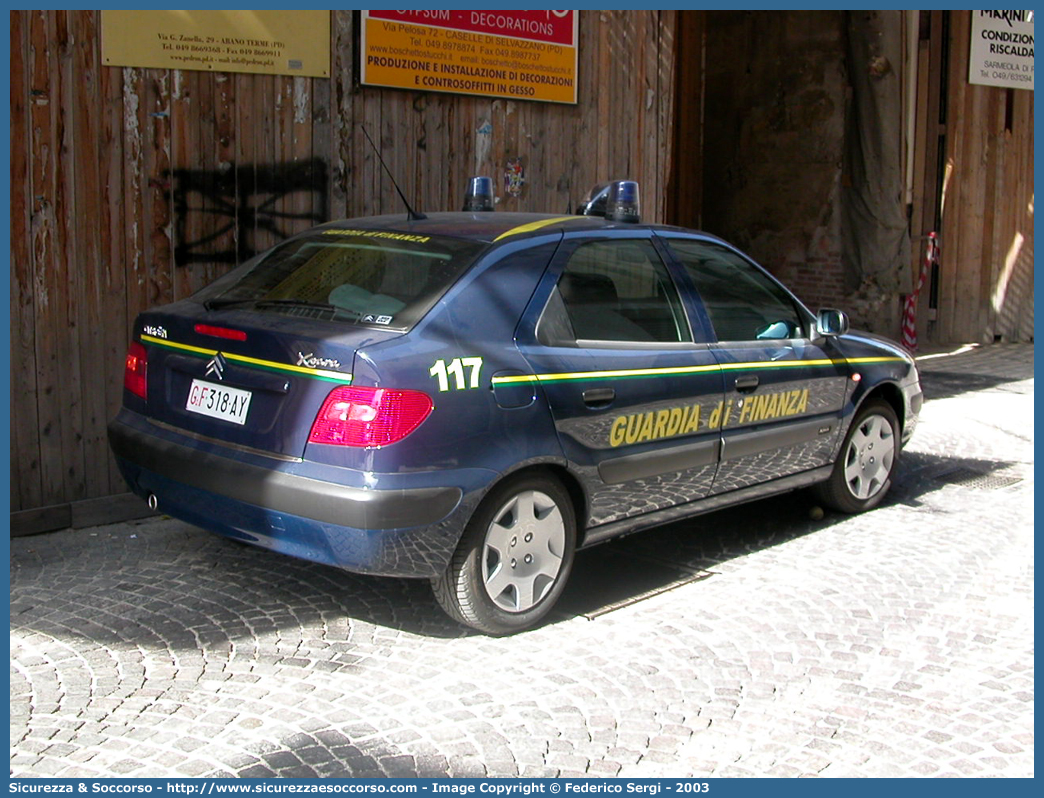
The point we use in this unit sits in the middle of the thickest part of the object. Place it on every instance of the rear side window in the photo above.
(362, 276)
(743, 303)
(615, 290)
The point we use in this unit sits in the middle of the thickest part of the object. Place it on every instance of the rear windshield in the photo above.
(371, 277)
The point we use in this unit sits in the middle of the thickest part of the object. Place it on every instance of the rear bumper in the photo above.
(392, 525)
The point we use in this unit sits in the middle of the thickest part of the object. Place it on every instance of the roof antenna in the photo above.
(411, 214)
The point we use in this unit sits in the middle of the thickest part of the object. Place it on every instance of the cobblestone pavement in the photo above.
(755, 641)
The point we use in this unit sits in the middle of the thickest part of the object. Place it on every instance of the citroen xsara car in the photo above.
(470, 397)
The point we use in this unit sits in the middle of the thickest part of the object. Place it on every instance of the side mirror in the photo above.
(831, 322)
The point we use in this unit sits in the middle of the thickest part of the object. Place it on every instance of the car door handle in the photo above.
(747, 384)
(598, 397)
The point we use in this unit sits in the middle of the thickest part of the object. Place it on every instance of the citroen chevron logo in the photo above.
(216, 367)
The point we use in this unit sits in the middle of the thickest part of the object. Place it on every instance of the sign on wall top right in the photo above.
(1002, 49)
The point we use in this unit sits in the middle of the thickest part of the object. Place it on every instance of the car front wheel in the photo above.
(514, 558)
(868, 458)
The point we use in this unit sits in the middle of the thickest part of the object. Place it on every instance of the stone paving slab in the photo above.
(756, 641)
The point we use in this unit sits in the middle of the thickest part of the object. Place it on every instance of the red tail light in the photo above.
(369, 417)
(134, 372)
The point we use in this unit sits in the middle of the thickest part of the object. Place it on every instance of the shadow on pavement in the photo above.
(944, 384)
(183, 588)
(621, 572)
(974, 368)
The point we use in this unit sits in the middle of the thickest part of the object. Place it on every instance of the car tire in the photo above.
(866, 462)
(514, 559)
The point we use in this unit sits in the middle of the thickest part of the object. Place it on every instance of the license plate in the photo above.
(218, 401)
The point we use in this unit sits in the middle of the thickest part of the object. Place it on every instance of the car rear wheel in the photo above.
(863, 472)
(514, 558)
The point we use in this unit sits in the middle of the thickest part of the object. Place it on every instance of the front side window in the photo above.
(743, 303)
(363, 276)
(617, 290)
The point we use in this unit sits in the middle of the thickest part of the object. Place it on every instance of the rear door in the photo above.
(784, 392)
(633, 387)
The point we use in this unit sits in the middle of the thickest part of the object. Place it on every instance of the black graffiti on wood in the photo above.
(246, 200)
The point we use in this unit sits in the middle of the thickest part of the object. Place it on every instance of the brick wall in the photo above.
(775, 104)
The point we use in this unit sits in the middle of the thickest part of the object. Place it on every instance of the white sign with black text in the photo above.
(1002, 49)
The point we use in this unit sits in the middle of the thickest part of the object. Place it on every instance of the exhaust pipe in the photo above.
(153, 502)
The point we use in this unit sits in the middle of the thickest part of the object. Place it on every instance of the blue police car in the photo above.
(471, 397)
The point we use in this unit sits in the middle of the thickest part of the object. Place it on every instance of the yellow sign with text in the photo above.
(261, 42)
(426, 57)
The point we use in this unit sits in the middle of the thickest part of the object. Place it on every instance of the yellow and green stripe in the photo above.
(251, 362)
(625, 374)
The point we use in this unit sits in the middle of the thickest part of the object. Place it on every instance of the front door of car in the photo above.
(784, 392)
(633, 392)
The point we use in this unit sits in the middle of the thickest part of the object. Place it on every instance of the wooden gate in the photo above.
(134, 187)
(974, 186)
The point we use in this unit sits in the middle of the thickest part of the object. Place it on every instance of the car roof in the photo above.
(486, 227)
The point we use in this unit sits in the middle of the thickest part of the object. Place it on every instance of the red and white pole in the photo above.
(909, 337)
